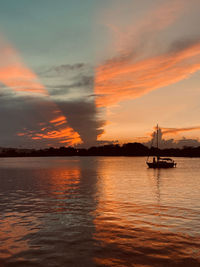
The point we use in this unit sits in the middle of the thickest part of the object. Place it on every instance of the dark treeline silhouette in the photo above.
(130, 149)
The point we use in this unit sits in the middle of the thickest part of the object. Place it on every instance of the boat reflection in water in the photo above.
(159, 162)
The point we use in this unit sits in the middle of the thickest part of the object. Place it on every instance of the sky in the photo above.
(84, 73)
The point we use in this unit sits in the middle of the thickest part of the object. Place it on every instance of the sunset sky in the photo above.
(98, 71)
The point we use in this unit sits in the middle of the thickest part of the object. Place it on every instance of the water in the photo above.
(98, 211)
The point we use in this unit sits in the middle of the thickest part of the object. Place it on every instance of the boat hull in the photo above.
(159, 165)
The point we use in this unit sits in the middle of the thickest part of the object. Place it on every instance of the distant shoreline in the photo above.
(116, 156)
(126, 150)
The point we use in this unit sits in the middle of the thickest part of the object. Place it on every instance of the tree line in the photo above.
(130, 149)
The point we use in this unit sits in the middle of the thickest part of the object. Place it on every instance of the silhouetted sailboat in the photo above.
(159, 162)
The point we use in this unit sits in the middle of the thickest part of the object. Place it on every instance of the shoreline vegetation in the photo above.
(129, 149)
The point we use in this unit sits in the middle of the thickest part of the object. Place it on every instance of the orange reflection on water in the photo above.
(14, 232)
(63, 186)
(134, 224)
(62, 179)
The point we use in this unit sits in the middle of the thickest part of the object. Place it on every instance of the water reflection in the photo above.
(63, 185)
(157, 178)
(14, 233)
(98, 212)
(50, 215)
(134, 226)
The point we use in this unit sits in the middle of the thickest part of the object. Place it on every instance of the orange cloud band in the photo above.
(179, 130)
(127, 76)
(120, 80)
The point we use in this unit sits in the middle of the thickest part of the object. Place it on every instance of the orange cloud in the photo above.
(65, 135)
(62, 134)
(118, 81)
(179, 130)
(132, 74)
(14, 74)
(59, 120)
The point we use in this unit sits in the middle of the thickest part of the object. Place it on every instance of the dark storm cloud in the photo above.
(83, 118)
(26, 114)
(72, 93)
(15, 115)
(22, 117)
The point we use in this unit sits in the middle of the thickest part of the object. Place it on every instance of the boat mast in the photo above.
(157, 143)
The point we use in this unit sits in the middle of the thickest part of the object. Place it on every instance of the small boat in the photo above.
(159, 162)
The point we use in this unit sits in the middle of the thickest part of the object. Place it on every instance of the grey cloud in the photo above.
(183, 43)
(81, 111)
(7, 94)
(83, 118)
(64, 69)
(107, 142)
(84, 80)
(68, 80)
(80, 82)
(68, 67)
(24, 114)
(171, 143)
(15, 115)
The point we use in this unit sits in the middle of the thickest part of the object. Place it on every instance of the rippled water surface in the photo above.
(101, 211)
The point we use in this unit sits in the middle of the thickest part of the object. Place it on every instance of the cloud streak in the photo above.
(14, 74)
(120, 81)
(167, 131)
(132, 74)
